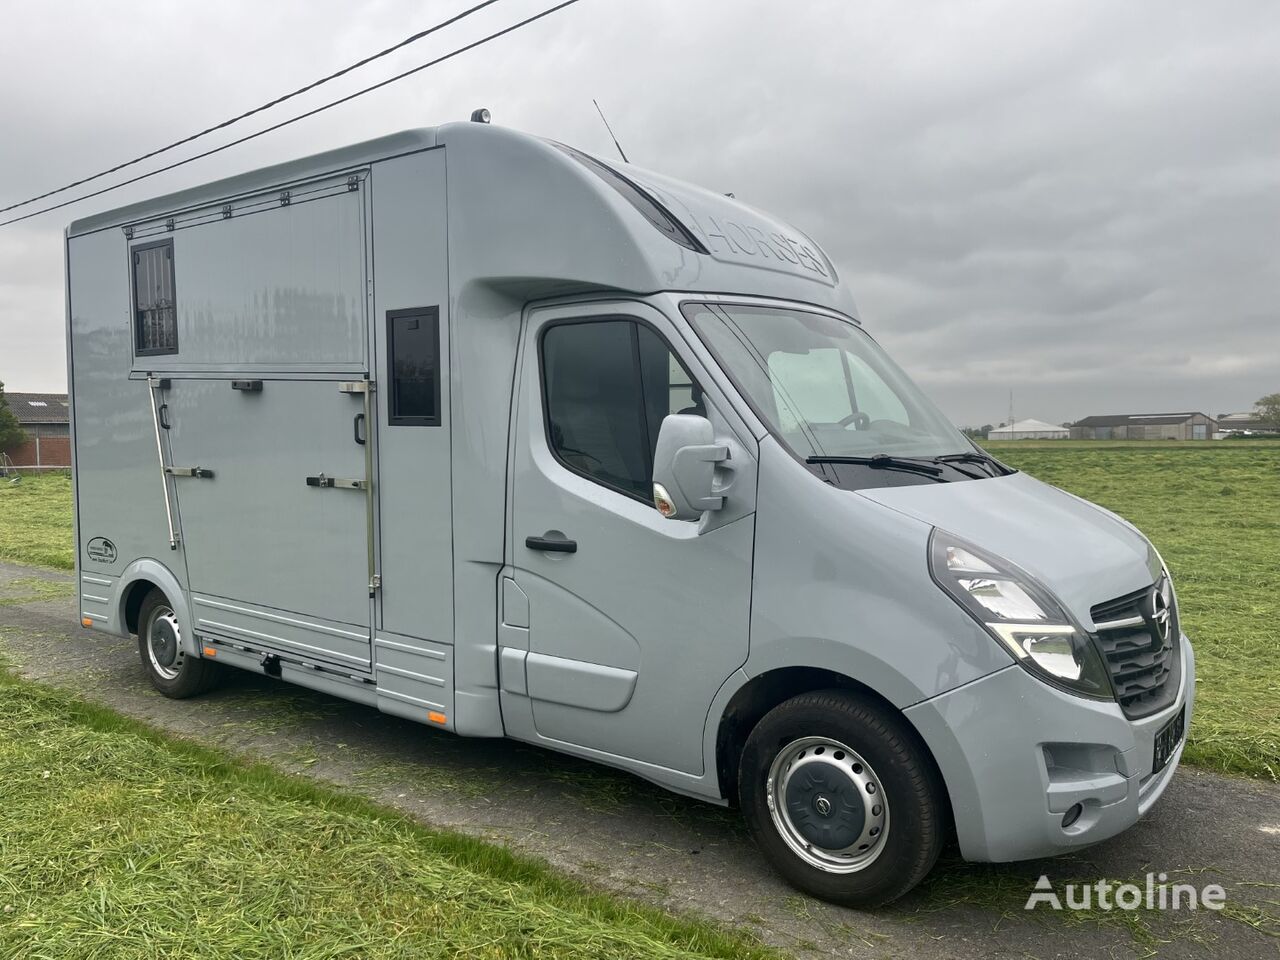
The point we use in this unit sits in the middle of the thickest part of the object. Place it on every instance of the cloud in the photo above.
(1076, 201)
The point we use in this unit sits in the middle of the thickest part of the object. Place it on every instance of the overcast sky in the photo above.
(1078, 202)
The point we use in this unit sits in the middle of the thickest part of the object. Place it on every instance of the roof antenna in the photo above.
(610, 129)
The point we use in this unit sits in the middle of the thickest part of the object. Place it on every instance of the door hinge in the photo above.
(202, 473)
(355, 386)
(375, 582)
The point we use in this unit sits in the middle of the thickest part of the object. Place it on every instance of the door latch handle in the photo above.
(323, 481)
(552, 545)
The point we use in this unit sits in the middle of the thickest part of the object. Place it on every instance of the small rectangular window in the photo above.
(413, 362)
(155, 309)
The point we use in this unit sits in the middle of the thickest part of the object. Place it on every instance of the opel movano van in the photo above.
(485, 432)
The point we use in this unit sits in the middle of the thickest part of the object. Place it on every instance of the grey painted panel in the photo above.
(577, 683)
(256, 534)
(96, 598)
(301, 635)
(117, 477)
(277, 288)
(425, 660)
(843, 584)
(539, 220)
(1085, 554)
(255, 181)
(515, 604)
(667, 599)
(414, 480)
(414, 678)
(1001, 790)
(514, 678)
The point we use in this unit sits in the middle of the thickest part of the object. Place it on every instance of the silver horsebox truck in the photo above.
(481, 431)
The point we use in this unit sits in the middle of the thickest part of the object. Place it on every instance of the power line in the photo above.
(302, 116)
(249, 113)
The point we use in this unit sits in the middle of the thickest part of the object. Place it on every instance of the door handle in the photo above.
(337, 482)
(557, 545)
(355, 428)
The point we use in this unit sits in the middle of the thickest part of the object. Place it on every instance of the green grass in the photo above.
(1213, 512)
(35, 520)
(118, 841)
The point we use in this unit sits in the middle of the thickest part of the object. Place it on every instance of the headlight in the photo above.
(1021, 614)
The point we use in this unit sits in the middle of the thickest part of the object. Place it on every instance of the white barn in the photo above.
(1029, 430)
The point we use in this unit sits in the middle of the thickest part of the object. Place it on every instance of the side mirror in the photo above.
(684, 466)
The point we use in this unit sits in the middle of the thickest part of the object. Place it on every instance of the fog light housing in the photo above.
(1072, 815)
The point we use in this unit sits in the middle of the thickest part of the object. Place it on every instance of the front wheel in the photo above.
(842, 798)
(168, 667)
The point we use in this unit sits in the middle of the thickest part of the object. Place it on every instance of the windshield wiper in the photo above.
(882, 461)
(975, 457)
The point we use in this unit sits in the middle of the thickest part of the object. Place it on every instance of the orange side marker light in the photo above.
(436, 717)
(86, 621)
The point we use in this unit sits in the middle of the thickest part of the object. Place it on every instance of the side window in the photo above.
(607, 385)
(413, 366)
(155, 311)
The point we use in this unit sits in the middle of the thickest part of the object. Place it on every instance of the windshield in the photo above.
(824, 386)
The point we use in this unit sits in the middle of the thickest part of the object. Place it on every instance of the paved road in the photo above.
(619, 832)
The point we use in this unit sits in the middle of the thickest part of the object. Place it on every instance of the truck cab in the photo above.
(486, 432)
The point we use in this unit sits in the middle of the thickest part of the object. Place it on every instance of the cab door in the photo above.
(618, 626)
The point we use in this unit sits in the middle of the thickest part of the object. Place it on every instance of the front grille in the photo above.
(1144, 664)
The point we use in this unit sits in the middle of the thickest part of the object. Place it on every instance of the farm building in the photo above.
(45, 420)
(1029, 430)
(1245, 422)
(1145, 426)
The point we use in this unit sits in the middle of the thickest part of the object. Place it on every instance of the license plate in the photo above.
(1167, 740)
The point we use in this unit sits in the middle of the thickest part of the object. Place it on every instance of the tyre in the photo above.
(840, 794)
(168, 667)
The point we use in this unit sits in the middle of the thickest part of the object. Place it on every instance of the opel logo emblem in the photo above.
(1160, 615)
(823, 806)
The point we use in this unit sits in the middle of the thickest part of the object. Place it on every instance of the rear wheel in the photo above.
(842, 798)
(169, 668)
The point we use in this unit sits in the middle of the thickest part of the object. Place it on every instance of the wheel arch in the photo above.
(763, 692)
(139, 579)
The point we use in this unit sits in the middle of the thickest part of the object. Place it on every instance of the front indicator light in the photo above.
(1019, 612)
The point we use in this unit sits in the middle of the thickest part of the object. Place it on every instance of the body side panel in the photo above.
(844, 585)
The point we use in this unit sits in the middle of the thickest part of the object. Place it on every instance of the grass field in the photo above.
(116, 841)
(35, 520)
(1212, 509)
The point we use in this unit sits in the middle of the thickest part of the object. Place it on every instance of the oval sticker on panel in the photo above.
(101, 550)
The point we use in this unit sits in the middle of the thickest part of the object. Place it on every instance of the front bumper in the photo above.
(1017, 754)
